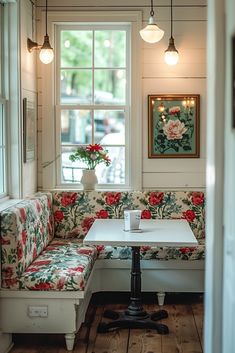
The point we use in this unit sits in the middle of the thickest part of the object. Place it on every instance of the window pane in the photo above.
(76, 86)
(110, 48)
(76, 126)
(71, 171)
(115, 173)
(109, 127)
(110, 86)
(76, 48)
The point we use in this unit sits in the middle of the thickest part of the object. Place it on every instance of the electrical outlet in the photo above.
(37, 311)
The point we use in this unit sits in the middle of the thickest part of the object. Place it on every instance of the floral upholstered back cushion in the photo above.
(74, 212)
(26, 229)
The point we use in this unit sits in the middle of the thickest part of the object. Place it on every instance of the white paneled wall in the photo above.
(28, 89)
(188, 77)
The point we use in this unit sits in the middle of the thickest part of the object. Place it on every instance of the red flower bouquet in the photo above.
(91, 155)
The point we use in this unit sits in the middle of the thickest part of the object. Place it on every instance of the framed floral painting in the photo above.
(173, 126)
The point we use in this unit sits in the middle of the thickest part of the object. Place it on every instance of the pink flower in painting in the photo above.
(174, 129)
(174, 110)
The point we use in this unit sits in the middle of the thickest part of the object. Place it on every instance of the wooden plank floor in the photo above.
(185, 324)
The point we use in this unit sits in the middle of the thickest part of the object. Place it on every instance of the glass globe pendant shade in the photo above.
(46, 53)
(171, 54)
(151, 33)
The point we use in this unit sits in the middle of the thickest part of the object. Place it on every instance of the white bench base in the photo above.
(66, 310)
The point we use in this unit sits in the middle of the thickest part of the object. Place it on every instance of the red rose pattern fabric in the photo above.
(26, 229)
(30, 260)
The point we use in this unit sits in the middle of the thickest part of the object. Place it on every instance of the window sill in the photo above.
(6, 203)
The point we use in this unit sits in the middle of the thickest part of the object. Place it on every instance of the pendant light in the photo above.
(151, 33)
(46, 54)
(171, 54)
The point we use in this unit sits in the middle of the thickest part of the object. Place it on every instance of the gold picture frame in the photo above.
(173, 126)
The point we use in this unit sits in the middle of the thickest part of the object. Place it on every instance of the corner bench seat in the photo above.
(154, 253)
(62, 266)
(44, 262)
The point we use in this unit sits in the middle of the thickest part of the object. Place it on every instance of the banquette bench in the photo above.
(48, 275)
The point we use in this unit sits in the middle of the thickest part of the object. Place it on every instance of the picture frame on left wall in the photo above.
(173, 126)
(29, 129)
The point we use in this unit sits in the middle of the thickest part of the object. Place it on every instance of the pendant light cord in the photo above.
(171, 19)
(46, 17)
(151, 11)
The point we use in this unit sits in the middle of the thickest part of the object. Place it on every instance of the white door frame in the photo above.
(215, 177)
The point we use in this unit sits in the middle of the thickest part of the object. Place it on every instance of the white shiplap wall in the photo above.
(188, 77)
(28, 89)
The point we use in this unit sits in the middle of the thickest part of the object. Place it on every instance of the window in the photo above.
(78, 103)
(10, 126)
(93, 98)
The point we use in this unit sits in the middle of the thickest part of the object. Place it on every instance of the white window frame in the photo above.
(11, 101)
(93, 107)
(50, 128)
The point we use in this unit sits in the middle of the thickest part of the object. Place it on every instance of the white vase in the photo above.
(89, 179)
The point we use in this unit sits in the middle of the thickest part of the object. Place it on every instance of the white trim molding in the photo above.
(47, 165)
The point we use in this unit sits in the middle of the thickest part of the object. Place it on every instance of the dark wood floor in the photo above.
(185, 324)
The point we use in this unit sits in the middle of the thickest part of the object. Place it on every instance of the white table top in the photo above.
(164, 232)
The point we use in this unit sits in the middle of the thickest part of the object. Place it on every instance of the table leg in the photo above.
(135, 307)
(135, 316)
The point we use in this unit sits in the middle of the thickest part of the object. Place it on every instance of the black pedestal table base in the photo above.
(135, 316)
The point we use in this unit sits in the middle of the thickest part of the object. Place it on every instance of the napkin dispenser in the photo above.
(132, 219)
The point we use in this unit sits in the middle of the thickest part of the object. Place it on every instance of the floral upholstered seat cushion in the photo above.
(75, 212)
(157, 253)
(62, 266)
(26, 229)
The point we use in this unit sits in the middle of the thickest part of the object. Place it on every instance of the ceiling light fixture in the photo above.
(171, 54)
(46, 54)
(151, 33)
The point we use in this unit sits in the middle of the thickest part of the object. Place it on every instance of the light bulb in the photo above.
(171, 54)
(46, 53)
(171, 57)
(46, 56)
(151, 33)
